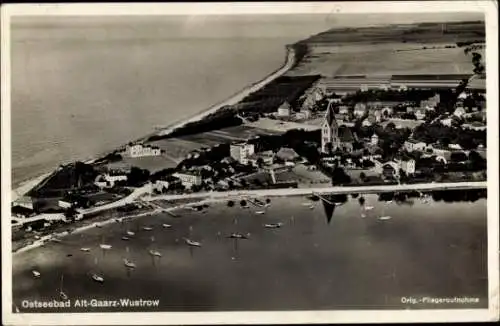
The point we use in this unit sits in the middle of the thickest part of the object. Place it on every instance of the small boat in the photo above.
(124, 238)
(368, 208)
(155, 253)
(129, 264)
(389, 201)
(130, 233)
(260, 212)
(363, 215)
(62, 295)
(36, 274)
(97, 278)
(147, 228)
(166, 226)
(384, 218)
(105, 246)
(69, 255)
(273, 225)
(238, 236)
(55, 240)
(98, 225)
(338, 204)
(306, 204)
(192, 243)
(311, 207)
(85, 249)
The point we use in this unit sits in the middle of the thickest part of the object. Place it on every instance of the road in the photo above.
(329, 190)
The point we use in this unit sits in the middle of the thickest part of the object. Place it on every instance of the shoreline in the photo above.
(207, 198)
(290, 58)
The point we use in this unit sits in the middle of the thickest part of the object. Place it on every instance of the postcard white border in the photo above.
(489, 8)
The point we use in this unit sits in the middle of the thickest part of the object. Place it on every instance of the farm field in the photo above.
(368, 60)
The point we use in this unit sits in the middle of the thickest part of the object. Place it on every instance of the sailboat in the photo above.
(260, 212)
(63, 295)
(154, 252)
(385, 217)
(128, 263)
(166, 226)
(84, 249)
(130, 233)
(96, 277)
(192, 243)
(104, 246)
(239, 236)
(273, 225)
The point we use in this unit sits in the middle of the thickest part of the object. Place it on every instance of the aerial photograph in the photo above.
(200, 163)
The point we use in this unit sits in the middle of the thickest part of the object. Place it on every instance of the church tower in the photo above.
(329, 130)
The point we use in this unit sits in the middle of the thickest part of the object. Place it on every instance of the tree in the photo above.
(362, 176)
(339, 177)
(476, 161)
(390, 126)
(230, 203)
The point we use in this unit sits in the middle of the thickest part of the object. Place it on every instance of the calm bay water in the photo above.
(434, 249)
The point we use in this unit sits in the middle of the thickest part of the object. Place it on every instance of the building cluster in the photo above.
(141, 150)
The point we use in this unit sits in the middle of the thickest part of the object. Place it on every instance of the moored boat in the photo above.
(97, 278)
(192, 243)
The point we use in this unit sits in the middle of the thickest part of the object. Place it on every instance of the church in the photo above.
(329, 131)
(335, 138)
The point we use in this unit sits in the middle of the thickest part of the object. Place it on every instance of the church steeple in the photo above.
(329, 130)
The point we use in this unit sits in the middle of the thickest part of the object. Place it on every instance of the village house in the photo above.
(448, 121)
(476, 125)
(370, 120)
(166, 182)
(413, 145)
(264, 158)
(430, 103)
(108, 180)
(407, 165)
(386, 169)
(420, 114)
(359, 109)
(303, 114)
(241, 152)
(284, 110)
(343, 109)
(459, 112)
(140, 150)
(189, 178)
(455, 146)
(374, 140)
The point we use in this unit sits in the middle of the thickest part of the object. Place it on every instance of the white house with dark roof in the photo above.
(141, 150)
(414, 145)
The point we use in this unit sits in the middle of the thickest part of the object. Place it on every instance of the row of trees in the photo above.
(466, 138)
